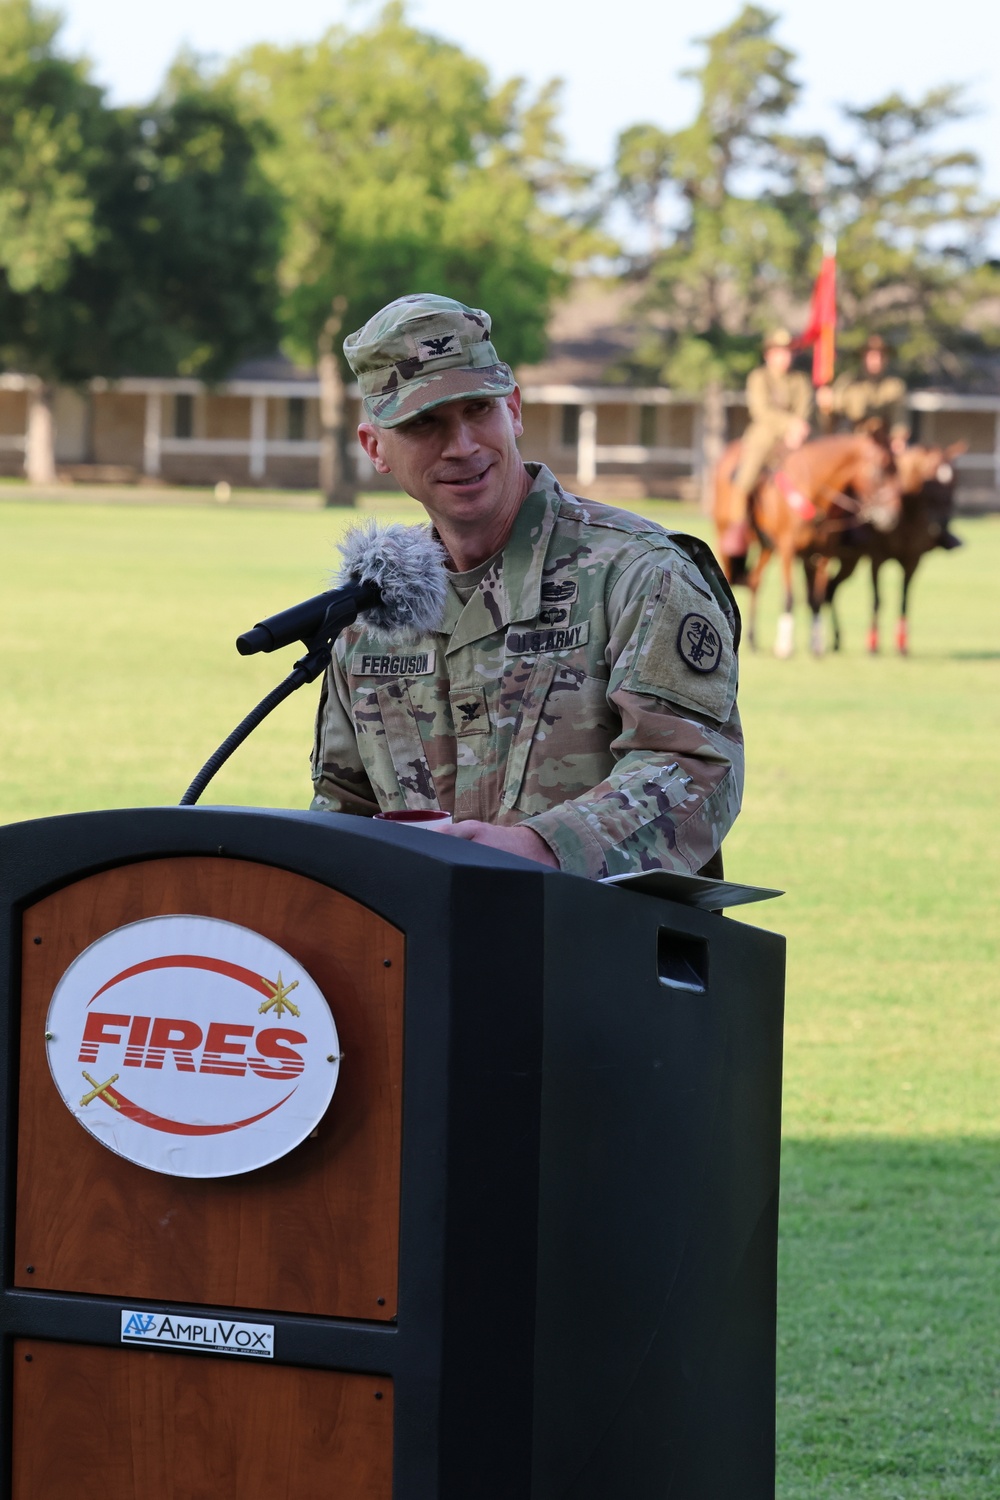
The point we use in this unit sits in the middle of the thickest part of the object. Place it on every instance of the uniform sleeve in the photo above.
(340, 782)
(758, 400)
(802, 398)
(897, 414)
(838, 392)
(677, 784)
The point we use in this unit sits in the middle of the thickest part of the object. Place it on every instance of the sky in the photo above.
(619, 61)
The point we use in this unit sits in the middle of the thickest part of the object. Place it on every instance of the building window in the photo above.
(183, 416)
(647, 426)
(570, 426)
(296, 419)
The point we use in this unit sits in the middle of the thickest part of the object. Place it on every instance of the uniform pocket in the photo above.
(685, 650)
(405, 746)
(524, 726)
(316, 759)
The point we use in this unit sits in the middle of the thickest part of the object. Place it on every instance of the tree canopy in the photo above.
(402, 168)
(149, 241)
(752, 202)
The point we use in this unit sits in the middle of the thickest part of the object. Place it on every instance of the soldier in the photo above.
(870, 396)
(578, 705)
(780, 403)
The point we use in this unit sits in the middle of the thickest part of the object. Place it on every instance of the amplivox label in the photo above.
(207, 1335)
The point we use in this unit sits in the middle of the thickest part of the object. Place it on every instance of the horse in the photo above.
(927, 479)
(819, 491)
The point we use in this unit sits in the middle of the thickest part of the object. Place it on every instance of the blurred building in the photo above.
(606, 438)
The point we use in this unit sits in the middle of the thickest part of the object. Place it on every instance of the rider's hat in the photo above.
(778, 338)
(876, 344)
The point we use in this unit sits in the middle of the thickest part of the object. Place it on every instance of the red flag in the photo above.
(822, 329)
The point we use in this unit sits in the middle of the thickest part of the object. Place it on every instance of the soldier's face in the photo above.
(460, 460)
(779, 359)
(874, 362)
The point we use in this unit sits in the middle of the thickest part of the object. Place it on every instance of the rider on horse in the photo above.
(870, 398)
(873, 401)
(780, 403)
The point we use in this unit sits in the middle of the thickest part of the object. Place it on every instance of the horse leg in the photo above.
(817, 571)
(753, 583)
(903, 628)
(873, 629)
(844, 570)
(784, 641)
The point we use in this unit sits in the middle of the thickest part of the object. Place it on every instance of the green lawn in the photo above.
(871, 798)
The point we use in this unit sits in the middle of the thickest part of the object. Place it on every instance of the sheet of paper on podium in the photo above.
(693, 890)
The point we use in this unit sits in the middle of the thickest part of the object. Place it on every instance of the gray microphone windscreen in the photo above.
(408, 565)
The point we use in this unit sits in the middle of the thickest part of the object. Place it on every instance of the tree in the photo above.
(912, 225)
(50, 126)
(736, 253)
(402, 170)
(714, 288)
(643, 158)
(754, 202)
(152, 244)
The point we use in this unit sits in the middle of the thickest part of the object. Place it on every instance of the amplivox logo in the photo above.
(209, 1335)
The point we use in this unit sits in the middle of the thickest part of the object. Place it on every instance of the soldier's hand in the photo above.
(824, 398)
(796, 433)
(522, 841)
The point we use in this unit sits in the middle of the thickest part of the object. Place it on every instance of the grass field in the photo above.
(871, 798)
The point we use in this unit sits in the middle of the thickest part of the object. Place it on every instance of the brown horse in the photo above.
(819, 491)
(927, 479)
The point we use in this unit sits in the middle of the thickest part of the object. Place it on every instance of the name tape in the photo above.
(528, 642)
(420, 664)
(205, 1335)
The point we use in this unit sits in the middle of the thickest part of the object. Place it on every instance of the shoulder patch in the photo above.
(684, 650)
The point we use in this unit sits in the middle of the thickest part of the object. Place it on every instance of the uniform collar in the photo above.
(512, 591)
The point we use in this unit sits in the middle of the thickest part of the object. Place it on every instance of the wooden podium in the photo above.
(528, 1252)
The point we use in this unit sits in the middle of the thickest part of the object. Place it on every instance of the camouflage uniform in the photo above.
(587, 689)
(864, 398)
(774, 401)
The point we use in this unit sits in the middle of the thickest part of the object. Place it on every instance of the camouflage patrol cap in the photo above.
(421, 351)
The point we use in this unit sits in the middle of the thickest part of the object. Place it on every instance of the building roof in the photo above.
(274, 366)
(589, 332)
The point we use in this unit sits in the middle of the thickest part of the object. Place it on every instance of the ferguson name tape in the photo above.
(192, 1046)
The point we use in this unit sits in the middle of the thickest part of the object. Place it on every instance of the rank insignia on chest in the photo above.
(699, 643)
(528, 642)
(393, 664)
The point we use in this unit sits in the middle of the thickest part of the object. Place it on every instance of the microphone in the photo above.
(393, 577)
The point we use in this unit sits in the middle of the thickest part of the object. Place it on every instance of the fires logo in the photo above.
(188, 1056)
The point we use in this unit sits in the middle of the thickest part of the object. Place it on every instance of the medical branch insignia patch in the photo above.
(699, 643)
